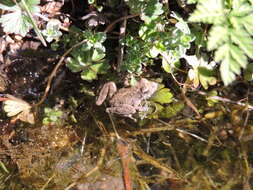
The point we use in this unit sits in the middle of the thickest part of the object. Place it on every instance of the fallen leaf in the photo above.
(17, 107)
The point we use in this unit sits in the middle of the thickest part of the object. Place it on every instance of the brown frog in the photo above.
(127, 101)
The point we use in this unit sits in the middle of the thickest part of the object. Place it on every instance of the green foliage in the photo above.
(192, 1)
(89, 57)
(20, 19)
(148, 10)
(52, 116)
(161, 100)
(171, 110)
(156, 38)
(211, 101)
(230, 34)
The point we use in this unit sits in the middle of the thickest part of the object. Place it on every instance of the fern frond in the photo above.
(243, 40)
(247, 22)
(228, 73)
(238, 55)
(217, 36)
(232, 59)
(209, 11)
(241, 8)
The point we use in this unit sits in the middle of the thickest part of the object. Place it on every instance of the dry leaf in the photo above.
(16, 107)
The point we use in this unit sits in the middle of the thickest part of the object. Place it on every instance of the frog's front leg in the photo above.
(109, 90)
(123, 109)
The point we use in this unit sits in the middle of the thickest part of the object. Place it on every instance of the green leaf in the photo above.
(16, 23)
(206, 77)
(171, 110)
(90, 73)
(100, 37)
(166, 66)
(8, 5)
(97, 55)
(76, 66)
(163, 96)
(152, 11)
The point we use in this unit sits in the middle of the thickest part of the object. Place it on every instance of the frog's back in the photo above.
(128, 96)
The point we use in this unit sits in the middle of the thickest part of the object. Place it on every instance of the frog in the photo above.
(128, 100)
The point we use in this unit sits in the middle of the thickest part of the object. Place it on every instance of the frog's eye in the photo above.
(144, 89)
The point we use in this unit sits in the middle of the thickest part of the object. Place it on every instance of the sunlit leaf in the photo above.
(163, 96)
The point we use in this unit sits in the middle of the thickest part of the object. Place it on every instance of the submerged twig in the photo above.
(124, 150)
(140, 153)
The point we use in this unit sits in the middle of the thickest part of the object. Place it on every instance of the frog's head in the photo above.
(148, 88)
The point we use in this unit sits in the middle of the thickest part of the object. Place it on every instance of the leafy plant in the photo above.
(52, 116)
(89, 57)
(20, 19)
(230, 34)
(202, 72)
(156, 38)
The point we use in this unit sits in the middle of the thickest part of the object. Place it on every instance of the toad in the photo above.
(127, 101)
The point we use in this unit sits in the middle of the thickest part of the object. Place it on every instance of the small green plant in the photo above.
(52, 31)
(89, 57)
(230, 34)
(52, 116)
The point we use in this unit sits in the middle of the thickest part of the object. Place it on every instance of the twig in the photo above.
(48, 181)
(183, 131)
(124, 151)
(250, 107)
(109, 28)
(52, 75)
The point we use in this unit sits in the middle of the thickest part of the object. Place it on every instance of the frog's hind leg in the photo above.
(108, 90)
(123, 110)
